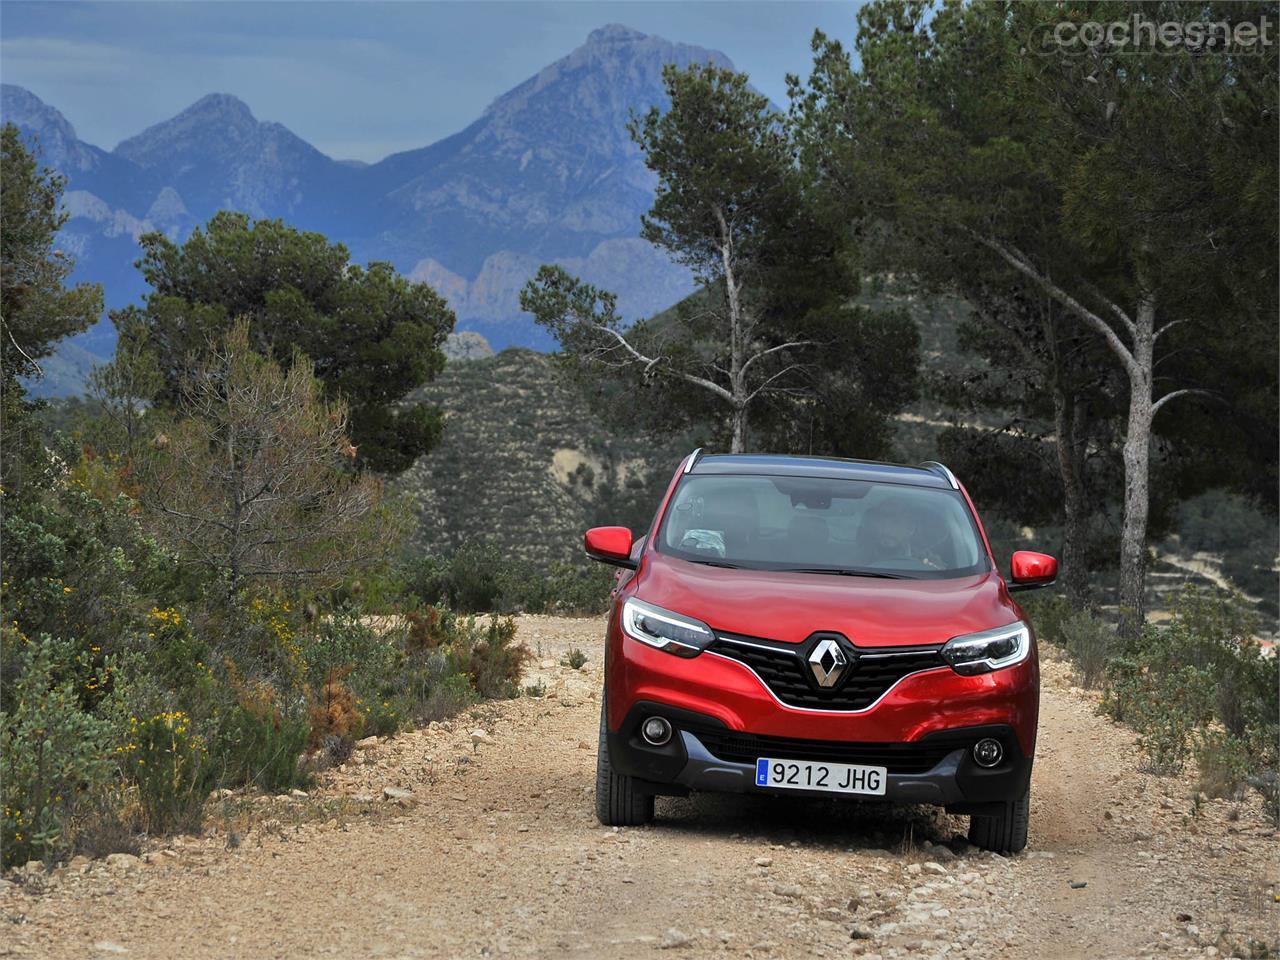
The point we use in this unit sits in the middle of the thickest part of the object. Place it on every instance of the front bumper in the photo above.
(704, 754)
(729, 693)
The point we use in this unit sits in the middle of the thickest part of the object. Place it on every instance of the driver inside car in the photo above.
(892, 531)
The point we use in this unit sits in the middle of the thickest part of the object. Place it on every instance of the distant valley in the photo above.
(547, 173)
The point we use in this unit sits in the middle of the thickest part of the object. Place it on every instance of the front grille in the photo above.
(783, 669)
(734, 747)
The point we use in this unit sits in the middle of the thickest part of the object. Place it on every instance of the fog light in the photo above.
(656, 731)
(988, 752)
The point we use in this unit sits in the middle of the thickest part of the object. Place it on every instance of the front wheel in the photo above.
(619, 803)
(1004, 831)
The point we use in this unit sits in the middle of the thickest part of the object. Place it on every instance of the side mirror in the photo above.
(1030, 570)
(609, 545)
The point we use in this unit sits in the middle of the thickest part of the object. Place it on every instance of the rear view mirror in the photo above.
(609, 545)
(1030, 570)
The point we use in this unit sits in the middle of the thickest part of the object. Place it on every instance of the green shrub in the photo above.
(1221, 522)
(470, 579)
(447, 697)
(171, 766)
(478, 578)
(574, 659)
(1199, 672)
(1090, 642)
(1225, 762)
(427, 667)
(1176, 704)
(261, 751)
(381, 718)
(174, 654)
(572, 589)
(168, 686)
(78, 566)
(255, 741)
(371, 654)
(56, 757)
(1164, 703)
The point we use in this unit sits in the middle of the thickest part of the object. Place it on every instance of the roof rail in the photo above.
(933, 466)
(693, 458)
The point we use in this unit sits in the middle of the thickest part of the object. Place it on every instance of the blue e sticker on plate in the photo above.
(762, 772)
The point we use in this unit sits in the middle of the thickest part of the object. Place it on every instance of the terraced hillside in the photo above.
(524, 455)
(526, 464)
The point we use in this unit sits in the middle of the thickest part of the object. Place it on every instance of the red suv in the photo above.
(824, 627)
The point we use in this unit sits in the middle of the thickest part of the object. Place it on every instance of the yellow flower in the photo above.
(66, 589)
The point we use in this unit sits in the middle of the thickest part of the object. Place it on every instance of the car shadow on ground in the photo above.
(834, 825)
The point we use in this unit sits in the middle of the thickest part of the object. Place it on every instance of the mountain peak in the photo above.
(614, 33)
(222, 107)
(617, 68)
(54, 138)
(219, 126)
(20, 105)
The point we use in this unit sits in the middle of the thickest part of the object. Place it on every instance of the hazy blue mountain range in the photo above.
(547, 173)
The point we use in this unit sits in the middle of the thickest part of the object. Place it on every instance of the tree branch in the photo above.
(1169, 326)
(651, 362)
(1019, 262)
(25, 355)
(782, 346)
(1115, 308)
(1155, 407)
(785, 370)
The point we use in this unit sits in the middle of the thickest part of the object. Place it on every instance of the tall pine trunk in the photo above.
(738, 443)
(1137, 469)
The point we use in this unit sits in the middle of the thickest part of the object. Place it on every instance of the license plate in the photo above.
(832, 777)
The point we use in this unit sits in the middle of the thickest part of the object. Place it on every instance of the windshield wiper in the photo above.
(717, 563)
(845, 572)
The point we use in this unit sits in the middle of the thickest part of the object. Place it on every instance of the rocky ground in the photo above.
(477, 838)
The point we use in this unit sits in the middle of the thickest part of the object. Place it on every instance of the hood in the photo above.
(791, 606)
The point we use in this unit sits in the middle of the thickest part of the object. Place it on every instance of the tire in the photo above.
(1003, 832)
(619, 802)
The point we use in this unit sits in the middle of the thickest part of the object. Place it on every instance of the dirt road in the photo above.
(498, 853)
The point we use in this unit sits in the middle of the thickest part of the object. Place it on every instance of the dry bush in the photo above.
(489, 655)
(424, 629)
(334, 712)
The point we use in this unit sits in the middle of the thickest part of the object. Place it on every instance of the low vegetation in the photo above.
(101, 743)
(1197, 687)
(477, 577)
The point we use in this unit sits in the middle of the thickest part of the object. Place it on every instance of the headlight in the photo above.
(672, 632)
(989, 650)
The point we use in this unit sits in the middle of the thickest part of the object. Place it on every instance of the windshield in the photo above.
(822, 526)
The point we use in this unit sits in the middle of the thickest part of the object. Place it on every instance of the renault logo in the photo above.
(828, 662)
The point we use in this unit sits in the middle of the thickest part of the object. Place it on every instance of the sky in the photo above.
(359, 80)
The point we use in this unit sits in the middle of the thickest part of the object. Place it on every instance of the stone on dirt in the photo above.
(674, 938)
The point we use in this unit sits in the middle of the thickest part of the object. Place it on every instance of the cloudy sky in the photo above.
(358, 79)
